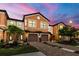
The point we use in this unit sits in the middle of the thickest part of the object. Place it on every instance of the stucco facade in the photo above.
(56, 29)
(38, 24)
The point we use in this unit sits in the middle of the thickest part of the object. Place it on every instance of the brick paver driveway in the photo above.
(51, 51)
(65, 46)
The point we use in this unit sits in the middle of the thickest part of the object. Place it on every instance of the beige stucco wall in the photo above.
(56, 29)
(16, 23)
(37, 24)
(3, 25)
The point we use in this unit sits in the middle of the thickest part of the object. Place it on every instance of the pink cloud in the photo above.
(17, 10)
(28, 8)
(76, 26)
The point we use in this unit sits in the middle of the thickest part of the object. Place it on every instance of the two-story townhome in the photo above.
(15, 22)
(5, 21)
(36, 27)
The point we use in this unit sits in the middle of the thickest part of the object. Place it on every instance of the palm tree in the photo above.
(15, 32)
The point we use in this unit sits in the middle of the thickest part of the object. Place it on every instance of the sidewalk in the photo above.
(32, 54)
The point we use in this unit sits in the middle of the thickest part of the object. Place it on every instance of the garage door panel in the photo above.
(44, 38)
(32, 38)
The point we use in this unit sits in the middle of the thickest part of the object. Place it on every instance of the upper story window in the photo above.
(18, 24)
(43, 25)
(11, 23)
(50, 29)
(31, 23)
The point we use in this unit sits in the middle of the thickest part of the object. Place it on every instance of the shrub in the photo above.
(1, 43)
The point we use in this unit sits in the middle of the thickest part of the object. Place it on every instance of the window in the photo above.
(50, 29)
(43, 25)
(31, 23)
(11, 22)
(19, 24)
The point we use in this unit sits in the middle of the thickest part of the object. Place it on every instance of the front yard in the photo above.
(17, 50)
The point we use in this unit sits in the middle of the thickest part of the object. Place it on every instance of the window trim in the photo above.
(43, 25)
(31, 23)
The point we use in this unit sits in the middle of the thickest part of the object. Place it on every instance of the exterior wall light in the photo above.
(10, 37)
(21, 37)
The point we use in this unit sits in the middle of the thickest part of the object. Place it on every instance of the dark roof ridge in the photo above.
(35, 13)
(58, 23)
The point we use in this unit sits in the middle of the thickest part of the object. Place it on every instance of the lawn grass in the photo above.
(14, 51)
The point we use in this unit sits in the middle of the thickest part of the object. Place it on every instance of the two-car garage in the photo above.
(44, 37)
(34, 37)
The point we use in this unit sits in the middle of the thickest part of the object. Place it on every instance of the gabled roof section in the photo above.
(34, 14)
(59, 23)
(5, 13)
(15, 19)
(8, 18)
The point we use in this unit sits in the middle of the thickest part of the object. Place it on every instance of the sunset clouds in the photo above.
(54, 12)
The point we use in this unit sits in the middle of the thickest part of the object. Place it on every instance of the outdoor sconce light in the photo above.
(10, 37)
(21, 37)
(60, 36)
(39, 35)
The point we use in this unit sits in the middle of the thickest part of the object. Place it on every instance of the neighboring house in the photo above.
(37, 27)
(3, 23)
(56, 28)
(77, 34)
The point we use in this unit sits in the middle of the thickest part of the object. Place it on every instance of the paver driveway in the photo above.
(51, 51)
(65, 46)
